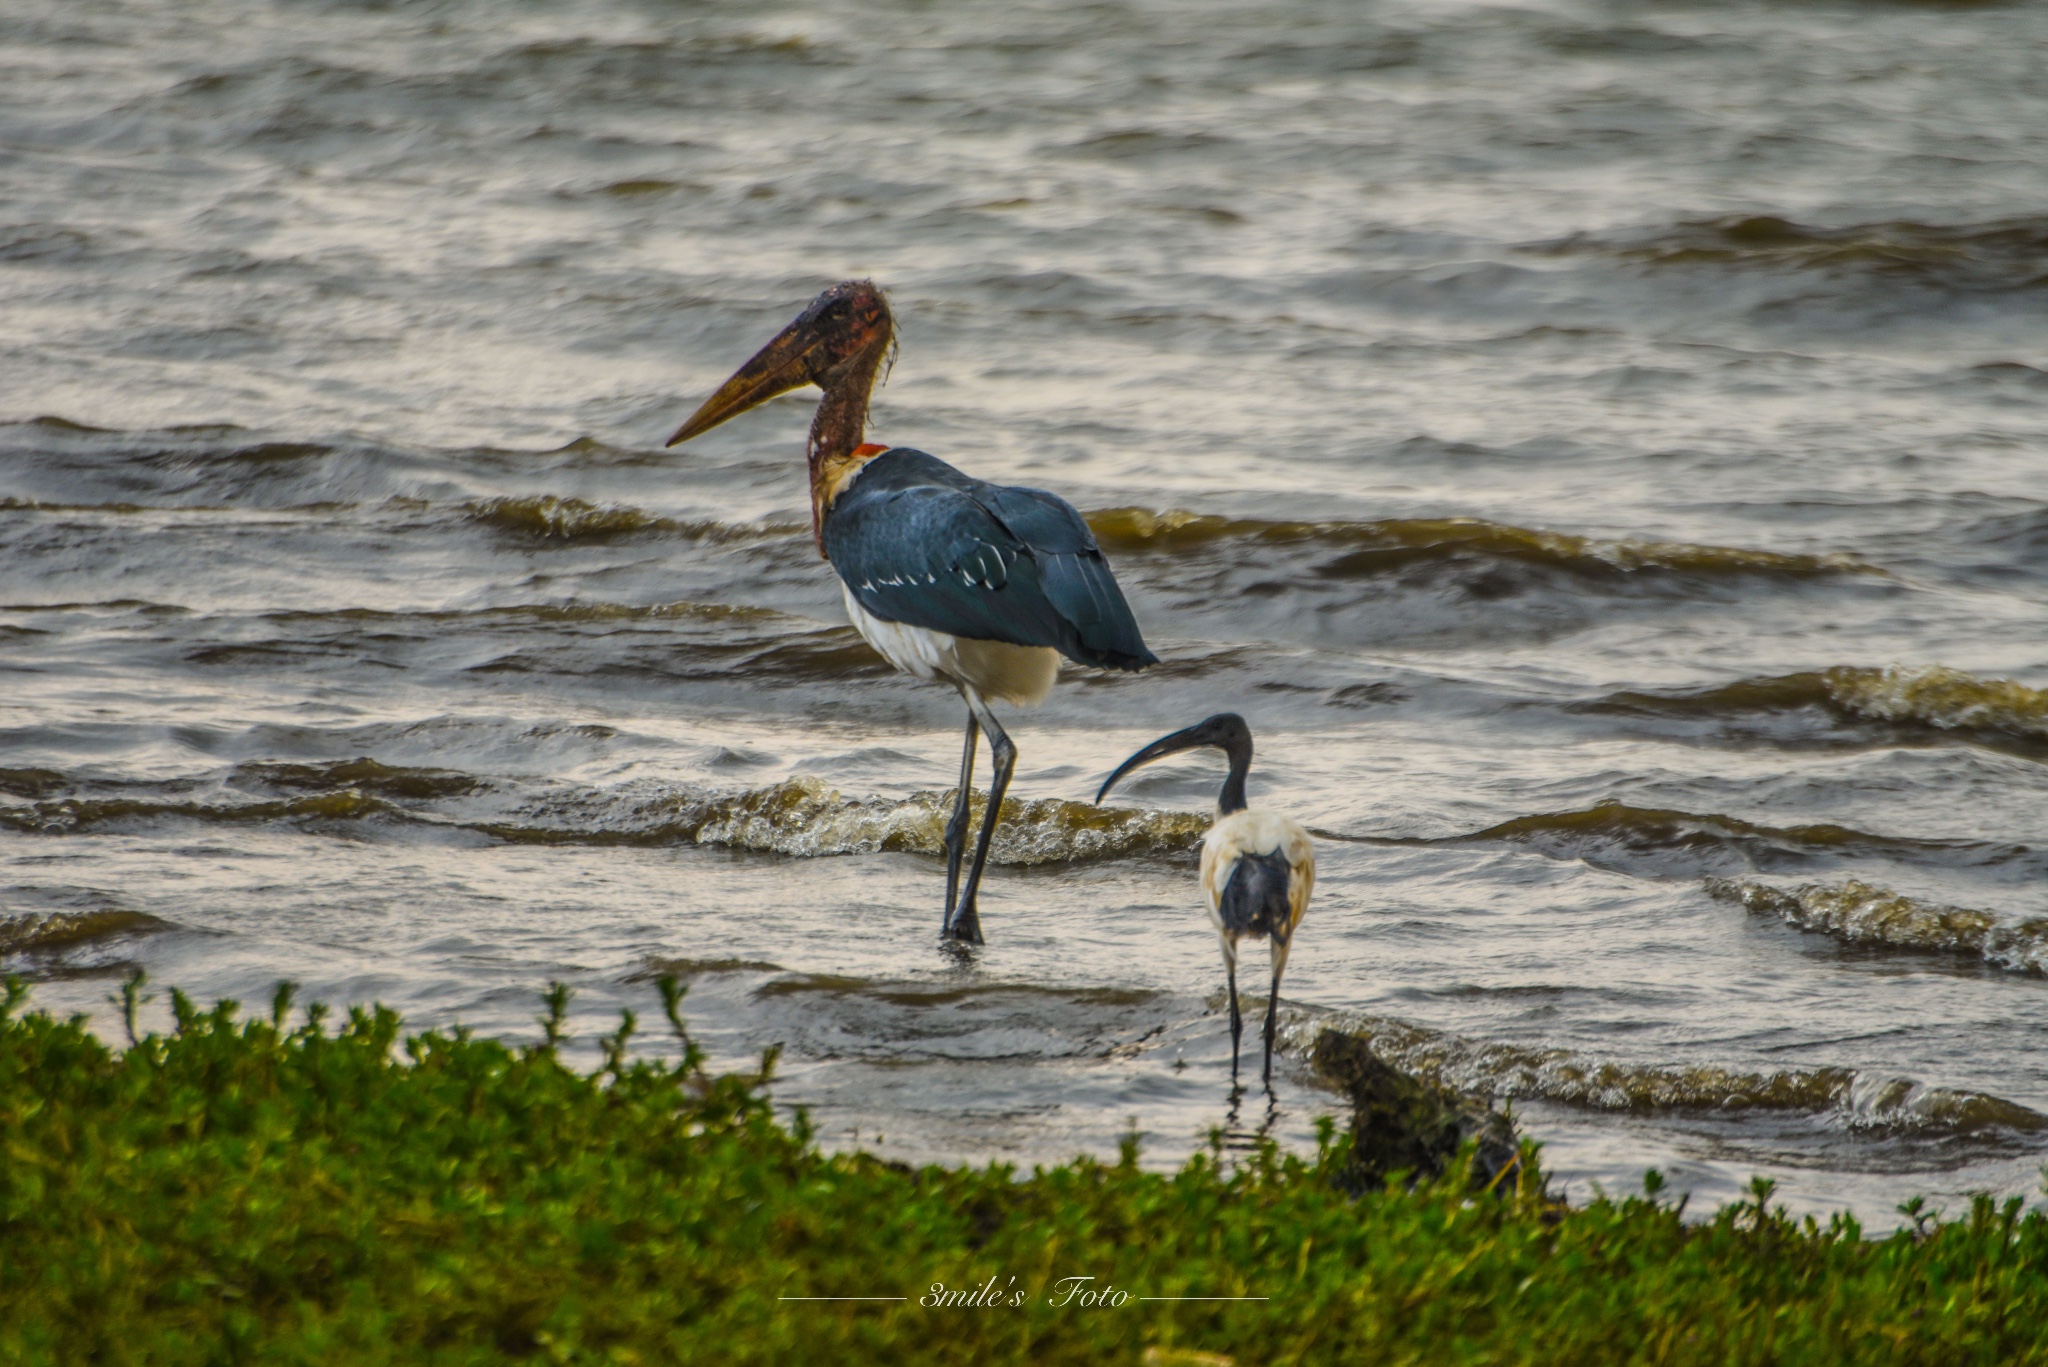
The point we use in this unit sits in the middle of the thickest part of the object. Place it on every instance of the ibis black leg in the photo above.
(1236, 1021)
(1272, 1009)
(956, 829)
(965, 922)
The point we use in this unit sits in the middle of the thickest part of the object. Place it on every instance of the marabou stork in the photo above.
(947, 576)
(1258, 868)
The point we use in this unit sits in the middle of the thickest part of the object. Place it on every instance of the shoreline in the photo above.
(293, 1192)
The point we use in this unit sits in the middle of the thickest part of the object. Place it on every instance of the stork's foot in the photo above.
(964, 926)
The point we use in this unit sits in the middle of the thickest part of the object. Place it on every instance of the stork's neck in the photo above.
(836, 430)
(1231, 799)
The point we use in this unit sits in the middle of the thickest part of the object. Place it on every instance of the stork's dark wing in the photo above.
(921, 543)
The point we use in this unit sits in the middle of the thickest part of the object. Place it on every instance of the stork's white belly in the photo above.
(997, 671)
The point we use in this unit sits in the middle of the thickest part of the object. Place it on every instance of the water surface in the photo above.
(1597, 446)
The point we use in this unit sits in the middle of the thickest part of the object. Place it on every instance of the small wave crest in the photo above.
(1861, 912)
(800, 817)
(30, 782)
(1901, 1104)
(364, 775)
(551, 518)
(42, 932)
(79, 815)
(803, 817)
(1848, 1098)
(1660, 842)
(1380, 546)
(1946, 699)
(1967, 256)
(1936, 698)
(658, 966)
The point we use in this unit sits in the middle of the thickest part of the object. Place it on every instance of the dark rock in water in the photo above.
(1403, 1123)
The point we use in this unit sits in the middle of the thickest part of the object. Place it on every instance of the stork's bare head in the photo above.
(843, 333)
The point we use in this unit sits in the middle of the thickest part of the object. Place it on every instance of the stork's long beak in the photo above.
(1191, 738)
(776, 369)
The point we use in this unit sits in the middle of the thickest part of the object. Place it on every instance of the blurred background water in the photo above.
(1596, 445)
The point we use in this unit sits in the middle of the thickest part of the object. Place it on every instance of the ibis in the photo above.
(1258, 868)
(950, 578)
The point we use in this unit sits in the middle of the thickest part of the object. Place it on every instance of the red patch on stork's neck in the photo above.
(867, 449)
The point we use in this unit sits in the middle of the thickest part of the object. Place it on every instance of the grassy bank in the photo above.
(244, 1191)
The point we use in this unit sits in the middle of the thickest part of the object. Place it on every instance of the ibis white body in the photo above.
(1251, 832)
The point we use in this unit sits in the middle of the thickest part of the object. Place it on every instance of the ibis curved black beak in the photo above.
(782, 365)
(1158, 749)
(1226, 731)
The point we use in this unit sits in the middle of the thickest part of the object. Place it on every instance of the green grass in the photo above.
(251, 1191)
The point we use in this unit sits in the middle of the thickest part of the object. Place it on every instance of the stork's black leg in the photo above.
(965, 923)
(956, 829)
(1236, 1021)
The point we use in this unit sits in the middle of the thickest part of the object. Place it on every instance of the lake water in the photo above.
(1599, 448)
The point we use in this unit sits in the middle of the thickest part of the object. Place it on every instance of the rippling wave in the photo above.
(30, 782)
(804, 817)
(12, 504)
(659, 966)
(1864, 913)
(2000, 255)
(1946, 699)
(1851, 1099)
(67, 816)
(928, 994)
(573, 519)
(45, 931)
(1935, 698)
(895, 1021)
(364, 775)
(1666, 843)
(661, 643)
(1376, 547)
(800, 817)
(519, 614)
(1366, 547)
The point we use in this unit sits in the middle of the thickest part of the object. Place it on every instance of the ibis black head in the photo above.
(1226, 731)
(840, 337)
